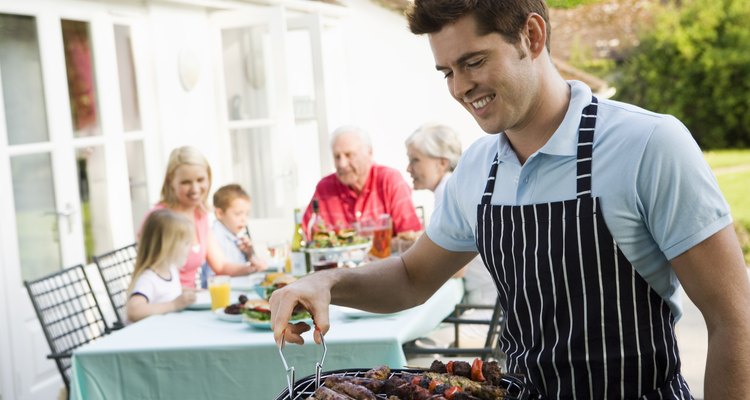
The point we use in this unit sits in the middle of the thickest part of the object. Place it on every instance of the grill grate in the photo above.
(515, 386)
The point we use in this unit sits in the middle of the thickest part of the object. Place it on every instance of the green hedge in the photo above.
(694, 63)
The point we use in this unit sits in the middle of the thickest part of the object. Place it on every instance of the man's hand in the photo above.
(313, 292)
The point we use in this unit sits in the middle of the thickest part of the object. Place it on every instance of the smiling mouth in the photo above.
(481, 103)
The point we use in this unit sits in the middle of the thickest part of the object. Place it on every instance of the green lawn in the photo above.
(727, 158)
(735, 184)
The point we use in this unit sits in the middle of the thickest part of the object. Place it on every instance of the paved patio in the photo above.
(692, 340)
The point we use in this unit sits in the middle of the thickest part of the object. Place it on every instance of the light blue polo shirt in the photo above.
(658, 196)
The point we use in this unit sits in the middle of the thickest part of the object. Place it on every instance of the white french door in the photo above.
(272, 108)
(71, 141)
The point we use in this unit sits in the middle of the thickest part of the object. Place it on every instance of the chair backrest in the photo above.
(68, 312)
(116, 269)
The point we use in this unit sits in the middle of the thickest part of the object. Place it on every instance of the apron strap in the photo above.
(489, 188)
(585, 149)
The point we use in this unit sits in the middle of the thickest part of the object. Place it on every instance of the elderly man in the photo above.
(361, 190)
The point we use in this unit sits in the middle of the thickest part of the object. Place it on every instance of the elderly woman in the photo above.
(434, 151)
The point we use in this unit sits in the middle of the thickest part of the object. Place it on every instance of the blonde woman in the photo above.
(164, 245)
(185, 191)
(433, 151)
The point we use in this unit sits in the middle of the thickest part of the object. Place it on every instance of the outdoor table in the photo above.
(195, 355)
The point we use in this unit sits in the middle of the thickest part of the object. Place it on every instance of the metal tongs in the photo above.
(290, 370)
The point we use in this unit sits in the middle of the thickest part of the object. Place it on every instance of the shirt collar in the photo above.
(564, 142)
(224, 230)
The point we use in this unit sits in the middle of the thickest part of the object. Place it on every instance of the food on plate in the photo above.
(457, 380)
(260, 311)
(340, 238)
(272, 282)
(236, 308)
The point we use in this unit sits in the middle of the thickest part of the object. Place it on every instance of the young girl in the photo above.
(155, 288)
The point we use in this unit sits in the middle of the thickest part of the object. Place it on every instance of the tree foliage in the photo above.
(694, 63)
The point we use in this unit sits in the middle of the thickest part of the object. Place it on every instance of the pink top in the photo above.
(197, 254)
(384, 192)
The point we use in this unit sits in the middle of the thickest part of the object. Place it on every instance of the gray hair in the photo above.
(363, 136)
(437, 141)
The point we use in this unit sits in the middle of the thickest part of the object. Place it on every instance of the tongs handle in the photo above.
(290, 370)
(319, 365)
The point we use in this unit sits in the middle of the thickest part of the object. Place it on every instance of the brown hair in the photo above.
(164, 231)
(506, 17)
(224, 197)
(184, 155)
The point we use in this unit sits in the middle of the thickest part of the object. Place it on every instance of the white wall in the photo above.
(393, 86)
(185, 117)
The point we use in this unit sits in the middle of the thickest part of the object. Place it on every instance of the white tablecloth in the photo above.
(194, 355)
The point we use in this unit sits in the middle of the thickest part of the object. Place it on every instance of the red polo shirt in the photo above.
(384, 192)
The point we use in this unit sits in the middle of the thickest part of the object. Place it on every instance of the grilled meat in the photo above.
(462, 368)
(375, 385)
(382, 372)
(438, 366)
(324, 393)
(352, 390)
(485, 392)
(492, 373)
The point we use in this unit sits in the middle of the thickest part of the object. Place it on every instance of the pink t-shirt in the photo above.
(384, 192)
(197, 254)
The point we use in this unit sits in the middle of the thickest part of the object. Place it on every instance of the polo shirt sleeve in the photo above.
(677, 191)
(449, 228)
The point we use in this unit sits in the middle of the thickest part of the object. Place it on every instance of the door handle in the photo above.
(67, 213)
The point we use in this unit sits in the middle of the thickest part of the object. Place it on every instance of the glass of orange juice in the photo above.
(220, 291)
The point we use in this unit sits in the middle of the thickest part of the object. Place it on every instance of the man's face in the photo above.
(353, 160)
(492, 79)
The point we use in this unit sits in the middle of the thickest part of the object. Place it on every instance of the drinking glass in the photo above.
(220, 291)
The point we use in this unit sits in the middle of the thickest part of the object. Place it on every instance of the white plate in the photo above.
(202, 301)
(267, 324)
(339, 250)
(356, 313)
(227, 317)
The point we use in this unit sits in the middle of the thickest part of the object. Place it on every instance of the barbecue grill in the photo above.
(514, 385)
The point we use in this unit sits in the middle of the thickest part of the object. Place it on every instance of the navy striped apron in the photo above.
(581, 322)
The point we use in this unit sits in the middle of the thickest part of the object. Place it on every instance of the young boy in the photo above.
(232, 209)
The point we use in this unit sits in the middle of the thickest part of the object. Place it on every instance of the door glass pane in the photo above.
(79, 65)
(138, 184)
(307, 155)
(92, 188)
(131, 114)
(36, 221)
(21, 74)
(246, 55)
(300, 72)
(252, 167)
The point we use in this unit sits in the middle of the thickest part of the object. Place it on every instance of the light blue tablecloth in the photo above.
(194, 355)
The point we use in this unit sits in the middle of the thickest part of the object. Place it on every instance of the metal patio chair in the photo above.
(490, 350)
(116, 269)
(68, 312)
